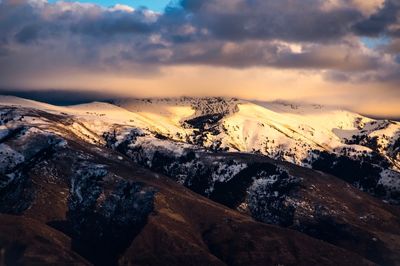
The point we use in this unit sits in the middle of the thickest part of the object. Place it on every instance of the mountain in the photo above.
(196, 181)
(360, 150)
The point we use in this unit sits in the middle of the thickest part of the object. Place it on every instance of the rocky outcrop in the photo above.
(105, 221)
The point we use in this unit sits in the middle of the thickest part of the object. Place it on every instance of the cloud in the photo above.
(233, 33)
(41, 43)
(287, 20)
(381, 21)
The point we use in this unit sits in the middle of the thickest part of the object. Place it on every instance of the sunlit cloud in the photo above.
(331, 51)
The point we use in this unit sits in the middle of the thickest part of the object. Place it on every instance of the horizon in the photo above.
(68, 98)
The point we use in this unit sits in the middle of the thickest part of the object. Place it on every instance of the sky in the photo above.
(156, 5)
(334, 52)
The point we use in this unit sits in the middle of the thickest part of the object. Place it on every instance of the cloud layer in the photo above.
(322, 37)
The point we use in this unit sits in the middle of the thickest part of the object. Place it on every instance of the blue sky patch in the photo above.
(373, 43)
(156, 5)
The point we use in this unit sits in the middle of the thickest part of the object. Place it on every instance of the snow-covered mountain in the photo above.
(98, 174)
(280, 130)
(361, 150)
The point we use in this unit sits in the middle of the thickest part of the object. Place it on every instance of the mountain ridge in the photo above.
(312, 136)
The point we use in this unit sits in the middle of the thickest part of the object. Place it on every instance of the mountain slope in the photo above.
(104, 207)
(362, 151)
(79, 168)
(313, 136)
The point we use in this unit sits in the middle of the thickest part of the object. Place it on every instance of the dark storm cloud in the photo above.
(113, 23)
(28, 23)
(36, 36)
(259, 19)
(379, 22)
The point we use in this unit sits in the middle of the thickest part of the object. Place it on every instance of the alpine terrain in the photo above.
(197, 181)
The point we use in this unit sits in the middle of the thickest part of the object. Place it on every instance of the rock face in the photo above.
(269, 199)
(16, 193)
(125, 196)
(104, 223)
